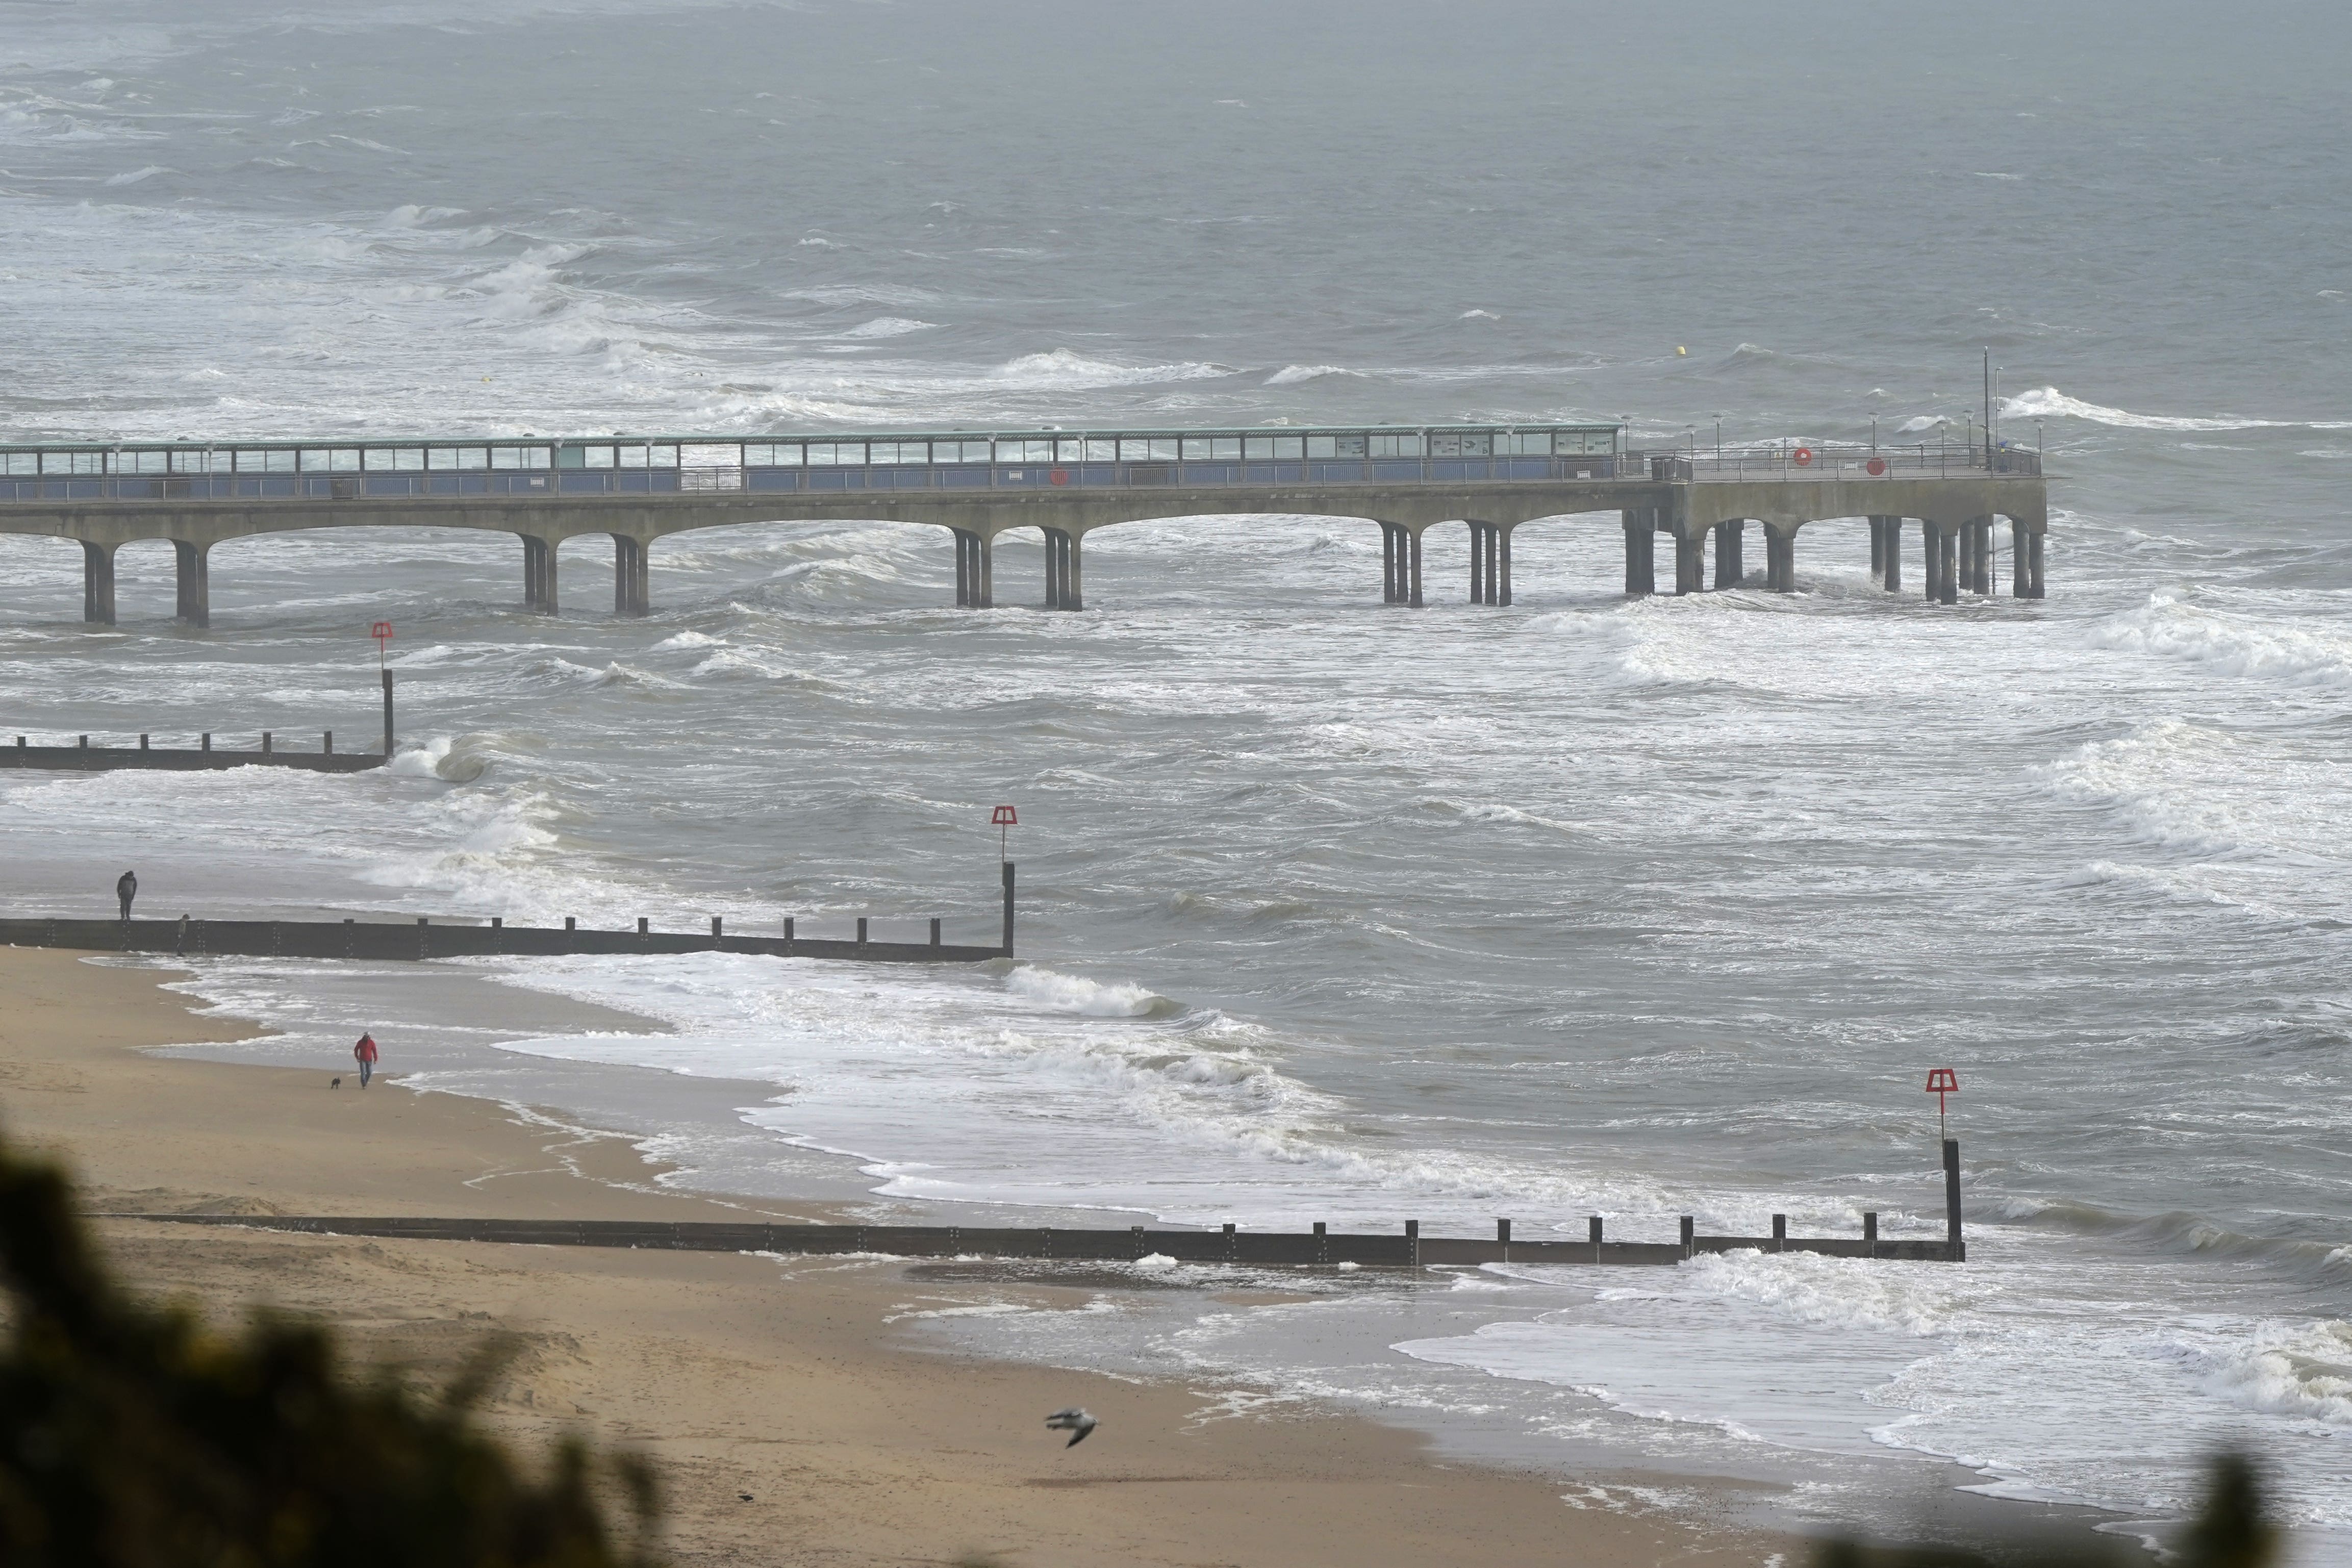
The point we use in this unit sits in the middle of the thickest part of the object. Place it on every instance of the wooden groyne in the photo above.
(190, 938)
(1320, 1246)
(203, 757)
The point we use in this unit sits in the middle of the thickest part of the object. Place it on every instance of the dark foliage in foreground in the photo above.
(2230, 1532)
(132, 1436)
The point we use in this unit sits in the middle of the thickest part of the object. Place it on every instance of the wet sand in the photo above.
(785, 1379)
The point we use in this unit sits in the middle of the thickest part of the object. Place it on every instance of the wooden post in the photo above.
(935, 930)
(1957, 1248)
(1008, 908)
(1503, 1231)
(1870, 1232)
(1690, 1240)
(1779, 1232)
(1594, 1228)
(1412, 1242)
(715, 928)
(861, 930)
(387, 717)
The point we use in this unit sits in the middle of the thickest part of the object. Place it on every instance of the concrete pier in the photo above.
(632, 594)
(1730, 548)
(539, 595)
(1690, 563)
(1878, 549)
(1641, 552)
(192, 567)
(1893, 531)
(97, 583)
(1064, 585)
(1980, 557)
(1781, 560)
(979, 485)
(1490, 563)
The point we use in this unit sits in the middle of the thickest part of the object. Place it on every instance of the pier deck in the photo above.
(978, 486)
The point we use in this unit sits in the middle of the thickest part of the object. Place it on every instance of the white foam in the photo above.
(2049, 403)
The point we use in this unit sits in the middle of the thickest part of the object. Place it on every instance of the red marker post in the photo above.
(1942, 1081)
(1004, 819)
(381, 632)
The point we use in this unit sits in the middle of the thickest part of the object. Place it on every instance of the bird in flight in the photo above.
(1074, 1421)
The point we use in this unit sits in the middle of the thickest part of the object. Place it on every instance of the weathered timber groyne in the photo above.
(1320, 1246)
(203, 757)
(191, 938)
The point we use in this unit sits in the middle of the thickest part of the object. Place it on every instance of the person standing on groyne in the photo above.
(364, 1053)
(126, 888)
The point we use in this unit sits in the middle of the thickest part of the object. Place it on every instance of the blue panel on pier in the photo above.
(963, 478)
(771, 479)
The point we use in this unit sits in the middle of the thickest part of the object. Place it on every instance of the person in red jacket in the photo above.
(364, 1054)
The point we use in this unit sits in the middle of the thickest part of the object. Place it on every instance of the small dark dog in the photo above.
(334, 1083)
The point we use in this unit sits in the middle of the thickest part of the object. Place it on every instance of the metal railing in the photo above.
(1824, 461)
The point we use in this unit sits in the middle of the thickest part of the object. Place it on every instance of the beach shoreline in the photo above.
(796, 1381)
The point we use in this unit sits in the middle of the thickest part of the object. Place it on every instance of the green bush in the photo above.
(131, 1435)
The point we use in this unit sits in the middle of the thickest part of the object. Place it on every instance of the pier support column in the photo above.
(1412, 567)
(2021, 572)
(1779, 561)
(195, 573)
(1641, 558)
(632, 595)
(1931, 552)
(1490, 563)
(97, 584)
(539, 595)
(1391, 564)
(1981, 563)
(1065, 589)
(1948, 566)
(1893, 541)
(1730, 552)
(1878, 549)
(2033, 555)
(1690, 564)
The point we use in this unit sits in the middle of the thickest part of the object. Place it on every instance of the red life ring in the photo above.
(1877, 465)
(1803, 456)
(1060, 475)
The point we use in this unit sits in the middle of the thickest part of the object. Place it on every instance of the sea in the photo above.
(1329, 909)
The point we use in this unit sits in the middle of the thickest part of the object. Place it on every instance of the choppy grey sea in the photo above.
(1331, 911)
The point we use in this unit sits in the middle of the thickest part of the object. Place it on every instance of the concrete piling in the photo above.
(1503, 567)
(1391, 564)
(539, 593)
(1641, 554)
(1730, 548)
(2034, 559)
(1690, 564)
(192, 570)
(1878, 548)
(1894, 536)
(1948, 566)
(1779, 561)
(1064, 590)
(1412, 567)
(632, 595)
(97, 583)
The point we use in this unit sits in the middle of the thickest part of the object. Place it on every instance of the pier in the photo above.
(980, 486)
(1405, 1248)
(426, 939)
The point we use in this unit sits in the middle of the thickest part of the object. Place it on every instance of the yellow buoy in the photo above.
(1684, 352)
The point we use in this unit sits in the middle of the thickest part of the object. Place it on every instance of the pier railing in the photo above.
(1792, 461)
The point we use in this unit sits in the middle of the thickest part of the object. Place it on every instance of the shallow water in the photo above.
(1333, 912)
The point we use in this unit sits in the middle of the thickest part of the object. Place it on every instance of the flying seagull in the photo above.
(1074, 1421)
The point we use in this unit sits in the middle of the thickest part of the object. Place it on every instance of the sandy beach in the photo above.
(787, 1379)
